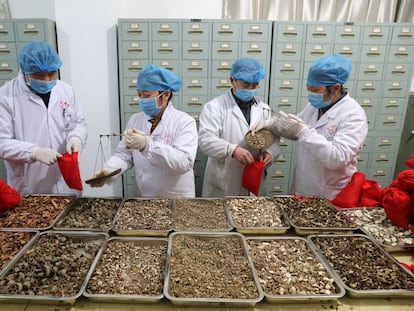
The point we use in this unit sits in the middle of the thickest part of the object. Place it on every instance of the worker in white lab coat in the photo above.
(331, 130)
(224, 122)
(160, 142)
(39, 120)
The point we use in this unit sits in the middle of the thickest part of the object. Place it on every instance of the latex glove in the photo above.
(261, 124)
(135, 139)
(102, 181)
(45, 155)
(74, 145)
(290, 126)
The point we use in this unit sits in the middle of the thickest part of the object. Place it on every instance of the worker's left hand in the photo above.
(291, 126)
(243, 156)
(135, 139)
(74, 145)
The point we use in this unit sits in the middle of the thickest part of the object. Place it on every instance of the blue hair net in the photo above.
(329, 70)
(155, 78)
(247, 69)
(38, 56)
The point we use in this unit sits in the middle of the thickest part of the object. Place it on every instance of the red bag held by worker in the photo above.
(9, 197)
(252, 176)
(371, 195)
(69, 167)
(397, 206)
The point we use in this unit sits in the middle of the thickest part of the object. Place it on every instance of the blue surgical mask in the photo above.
(149, 105)
(316, 100)
(245, 95)
(40, 86)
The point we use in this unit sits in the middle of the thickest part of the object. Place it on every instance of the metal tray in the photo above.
(128, 298)
(372, 293)
(73, 208)
(33, 238)
(138, 229)
(306, 230)
(300, 298)
(50, 299)
(257, 229)
(382, 224)
(204, 211)
(19, 210)
(212, 302)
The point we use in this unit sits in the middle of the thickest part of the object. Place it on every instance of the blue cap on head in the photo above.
(247, 69)
(156, 78)
(329, 70)
(38, 56)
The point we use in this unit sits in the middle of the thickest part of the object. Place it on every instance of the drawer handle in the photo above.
(366, 105)
(3, 32)
(194, 68)
(255, 33)
(254, 52)
(136, 68)
(392, 106)
(135, 50)
(319, 34)
(195, 32)
(6, 70)
(389, 122)
(222, 86)
(398, 72)
(5, 51)
(285, 88)
(379, 175)
(194, 104)
(195, 50)
(401, 54)
(385, 145)
(288, 52)
(223, 69)
(290, 33)
(194, 86)
(165, 50)
(225, 50)
(280, 161)
(134, 104)
(134, 31)
(368, 88)
(226, 32)
(346, 53)
(404, 35)
(382, 160)
(376, 35)
(317, 53)
(31, 31)
(284, 105)
(395, 88)
(347, 35)
(278, 176)
(373, 53)
(133, 86)
(276, 191)
(371, 71)
(165, 32)
(288, 70)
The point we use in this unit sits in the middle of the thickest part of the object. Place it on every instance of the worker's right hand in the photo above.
(243, 156)
(261, 124)
(95, 181)
(45, 155)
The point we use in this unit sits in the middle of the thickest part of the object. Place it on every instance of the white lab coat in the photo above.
(222, 128)
(327, 151)
(165, 167)
(25, 123)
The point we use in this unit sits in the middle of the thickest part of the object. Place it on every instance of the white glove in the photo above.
(135, 139)
(74, 145)
(290, 125)
(261, 124)
(45, 155)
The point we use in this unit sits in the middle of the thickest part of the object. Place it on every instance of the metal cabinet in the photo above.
(14, 34)
(202, 51)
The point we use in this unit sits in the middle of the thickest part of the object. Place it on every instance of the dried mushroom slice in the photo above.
(11, 243)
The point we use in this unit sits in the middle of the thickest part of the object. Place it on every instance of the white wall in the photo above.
(86, 31)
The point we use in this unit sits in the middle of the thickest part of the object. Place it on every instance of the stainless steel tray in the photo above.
(369, 293)
(47, 280)
(350, 226)
(135, 228)
(200, 210)
(396, 239)
(127, 298)
(73, 211)
(213, 302)
(24, 212)
(270, 229)
(33, 238)
(297, 298)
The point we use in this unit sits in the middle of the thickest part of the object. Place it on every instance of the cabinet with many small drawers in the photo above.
(14, 34)
(202, 51)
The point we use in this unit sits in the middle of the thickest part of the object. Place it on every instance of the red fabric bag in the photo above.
(397, 206)
(406, 180)
(252, 176)
(9, 197)
(410, 162)
(69, 167)
(371, 195)
(351, 194)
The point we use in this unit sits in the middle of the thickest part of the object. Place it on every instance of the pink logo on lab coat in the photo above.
(64, 105)
(331, 130)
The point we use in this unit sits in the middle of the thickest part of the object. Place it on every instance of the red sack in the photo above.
(397, 206)
(351, 194)
(406, 180)
(69, 167)
(371, 195)
(9, 197)
(410, 162)
(252, 176)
